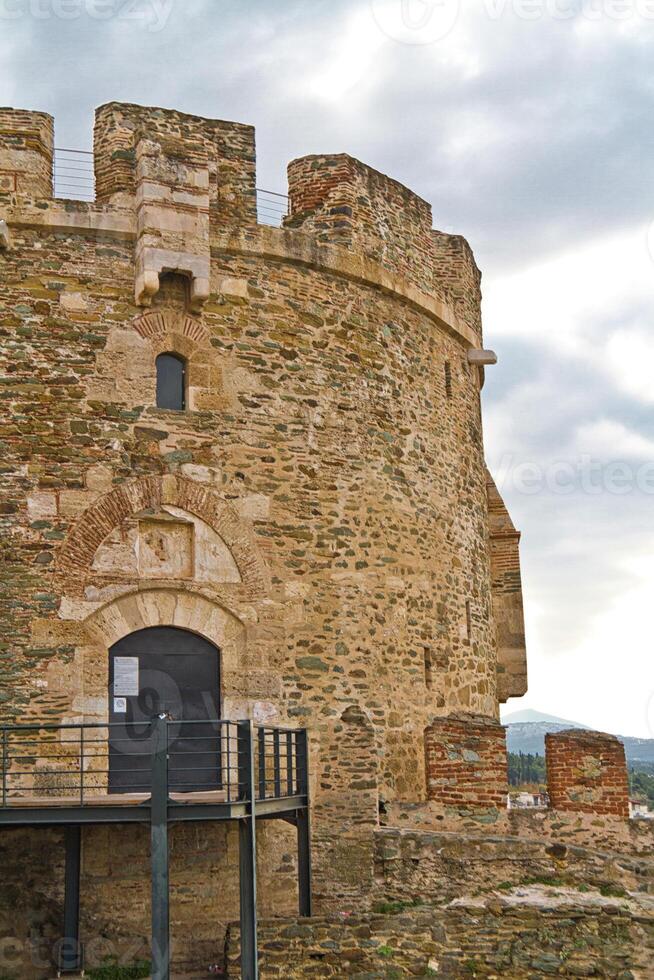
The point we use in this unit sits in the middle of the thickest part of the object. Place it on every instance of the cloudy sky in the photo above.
(528, 125)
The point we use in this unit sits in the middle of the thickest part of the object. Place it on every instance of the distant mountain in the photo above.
(526, 731)
(538, 717)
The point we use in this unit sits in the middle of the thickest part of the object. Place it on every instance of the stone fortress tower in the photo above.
(316, 506)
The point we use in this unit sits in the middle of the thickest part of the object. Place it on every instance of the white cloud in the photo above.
(348, 61)
(556, 302)
(630, 360)
(607, 439)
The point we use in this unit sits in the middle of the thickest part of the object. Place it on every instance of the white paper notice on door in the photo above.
(126, 677)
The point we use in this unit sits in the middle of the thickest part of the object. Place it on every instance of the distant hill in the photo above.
(528, 716)
(526, 731)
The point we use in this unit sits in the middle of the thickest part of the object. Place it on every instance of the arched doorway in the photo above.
(171, 670)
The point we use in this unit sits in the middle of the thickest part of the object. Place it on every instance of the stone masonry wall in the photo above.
(631, 838)
(115, 893)
(455, 267)
(441, 866)
(345, 813)
(349, 204)
(587, 773)
(533, 933)
(466, 762)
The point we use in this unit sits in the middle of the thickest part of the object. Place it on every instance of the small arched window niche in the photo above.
(171, 382)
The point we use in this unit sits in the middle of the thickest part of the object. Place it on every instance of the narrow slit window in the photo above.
(171, 382)
(469, 619)
(428, 669)
(448, 379)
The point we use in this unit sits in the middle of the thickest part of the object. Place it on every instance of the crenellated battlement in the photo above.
(174, 181)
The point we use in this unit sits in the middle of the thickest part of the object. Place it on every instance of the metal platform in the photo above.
(60, 776)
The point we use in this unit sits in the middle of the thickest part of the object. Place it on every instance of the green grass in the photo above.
(386, 952)
(612, 891)
(112, 970)
(394, 908)
(551, 882)
(608, 890)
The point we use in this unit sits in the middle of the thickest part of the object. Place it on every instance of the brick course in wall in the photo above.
(587, 773)
(466, 762)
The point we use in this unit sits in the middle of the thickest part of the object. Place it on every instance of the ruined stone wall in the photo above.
(467, 787)
(466, 762)
(454, 904)
(587, 773)
(600, 831)
(328, 470)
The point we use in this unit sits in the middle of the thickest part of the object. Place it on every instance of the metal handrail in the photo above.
(72, 768)
(73, 177)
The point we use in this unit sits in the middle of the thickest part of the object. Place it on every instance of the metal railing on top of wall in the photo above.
(272, 207)
(72, 174)
(83, 765)
(74, 180)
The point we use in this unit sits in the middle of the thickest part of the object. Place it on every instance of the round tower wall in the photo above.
(331, 452)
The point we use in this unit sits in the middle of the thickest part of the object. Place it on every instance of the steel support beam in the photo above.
(247, 840)
(70, 955)
(304, 863)
(159, 856)
(303, 823)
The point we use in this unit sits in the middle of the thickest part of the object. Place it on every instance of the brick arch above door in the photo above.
(153, 493)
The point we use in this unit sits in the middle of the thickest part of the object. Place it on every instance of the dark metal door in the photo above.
(164, 669)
